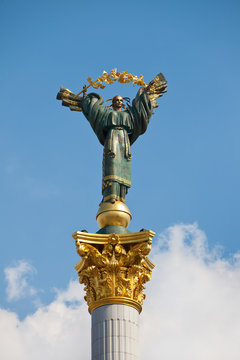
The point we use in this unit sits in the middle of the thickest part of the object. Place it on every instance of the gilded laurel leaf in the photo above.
(156, 88)
(122, 77)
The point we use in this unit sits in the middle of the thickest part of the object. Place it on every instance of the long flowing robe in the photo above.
(117, 131)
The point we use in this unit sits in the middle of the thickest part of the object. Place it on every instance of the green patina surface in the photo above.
(113, 229)
(117, 131)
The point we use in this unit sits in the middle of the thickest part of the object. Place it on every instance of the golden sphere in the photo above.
(113, 214)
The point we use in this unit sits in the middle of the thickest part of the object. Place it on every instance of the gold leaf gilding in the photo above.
(114, 271)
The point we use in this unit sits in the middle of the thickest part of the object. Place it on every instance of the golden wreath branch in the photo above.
(122, 77)
(156, 88)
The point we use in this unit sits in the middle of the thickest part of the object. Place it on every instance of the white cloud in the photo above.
(58, 331)
(192, 308)
(17, 278)
(191, 312)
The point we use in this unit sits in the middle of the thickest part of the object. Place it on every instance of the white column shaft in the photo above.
(115, 333)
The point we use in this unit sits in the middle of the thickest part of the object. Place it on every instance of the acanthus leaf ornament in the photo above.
(116, 270)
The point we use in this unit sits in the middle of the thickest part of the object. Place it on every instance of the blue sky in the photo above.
(185, 168)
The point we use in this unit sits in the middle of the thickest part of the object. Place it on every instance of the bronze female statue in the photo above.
(116, 130)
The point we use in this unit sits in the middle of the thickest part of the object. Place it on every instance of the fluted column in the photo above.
(115, 333)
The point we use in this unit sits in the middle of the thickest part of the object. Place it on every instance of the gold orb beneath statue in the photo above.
(113, 214)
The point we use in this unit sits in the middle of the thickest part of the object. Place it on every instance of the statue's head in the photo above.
(117, 103)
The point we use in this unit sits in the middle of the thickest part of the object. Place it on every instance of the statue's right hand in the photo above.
(85, 90)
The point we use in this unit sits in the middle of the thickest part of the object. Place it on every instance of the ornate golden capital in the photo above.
(114, 268)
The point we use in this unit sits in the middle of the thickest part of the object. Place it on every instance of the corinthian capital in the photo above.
(114, 268)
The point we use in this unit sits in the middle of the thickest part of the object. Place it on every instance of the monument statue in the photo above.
(114, 265)
(116, 128)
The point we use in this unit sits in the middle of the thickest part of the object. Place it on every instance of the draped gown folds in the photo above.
(117, 131)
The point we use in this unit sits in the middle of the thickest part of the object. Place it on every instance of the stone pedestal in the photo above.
(115, 333)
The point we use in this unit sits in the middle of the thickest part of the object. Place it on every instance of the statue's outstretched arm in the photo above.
(69, 99)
